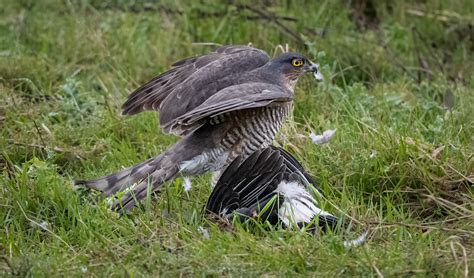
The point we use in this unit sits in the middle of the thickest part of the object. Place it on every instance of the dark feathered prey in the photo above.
(272, 185)
(227, 103)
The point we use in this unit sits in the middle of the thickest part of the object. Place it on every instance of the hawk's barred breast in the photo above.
(253, 129)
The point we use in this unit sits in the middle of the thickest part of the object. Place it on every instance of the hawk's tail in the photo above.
(150, 174)
(123, 179)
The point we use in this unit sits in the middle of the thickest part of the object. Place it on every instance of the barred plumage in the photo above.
(227, 103)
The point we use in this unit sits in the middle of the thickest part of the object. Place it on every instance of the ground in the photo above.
(398, 90)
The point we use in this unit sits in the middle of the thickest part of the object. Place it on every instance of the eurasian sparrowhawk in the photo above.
(227, 103)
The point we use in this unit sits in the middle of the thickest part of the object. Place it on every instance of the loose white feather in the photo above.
(348, 244)
(323, 138)
(187, 184)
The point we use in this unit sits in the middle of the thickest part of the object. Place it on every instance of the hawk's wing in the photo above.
(192, 81)
(233, 98)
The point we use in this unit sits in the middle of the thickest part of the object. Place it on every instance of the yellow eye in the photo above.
(297, 62)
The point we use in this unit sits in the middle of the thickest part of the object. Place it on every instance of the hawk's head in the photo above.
(291, 66)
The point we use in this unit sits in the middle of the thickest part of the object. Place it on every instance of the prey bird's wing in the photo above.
(268, 184)
(233, 98)
(192, 81)
(296, 170)
(247, 186)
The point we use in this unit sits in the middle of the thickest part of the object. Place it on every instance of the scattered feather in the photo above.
(42, 225)
(187, 184)
(373, 154)
(348, 244)
(324, 138)
(203, 231)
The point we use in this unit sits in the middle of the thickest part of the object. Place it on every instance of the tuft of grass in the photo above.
(398, 91)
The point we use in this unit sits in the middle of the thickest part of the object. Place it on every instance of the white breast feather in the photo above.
(299, 205)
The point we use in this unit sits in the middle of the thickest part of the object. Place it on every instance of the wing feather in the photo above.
(192, 81)
(296, 169)
(233, 98)
(249, 182)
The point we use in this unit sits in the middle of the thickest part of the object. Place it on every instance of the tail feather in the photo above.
(123, 179)
(139, 192)
(153, 172)
(148, 174)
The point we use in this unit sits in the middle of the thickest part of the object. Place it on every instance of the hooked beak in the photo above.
(314, 68)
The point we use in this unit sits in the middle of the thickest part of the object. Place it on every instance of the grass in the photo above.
(401, 161)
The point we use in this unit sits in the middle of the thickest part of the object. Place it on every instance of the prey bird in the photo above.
(225, 104)
(271, 185)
